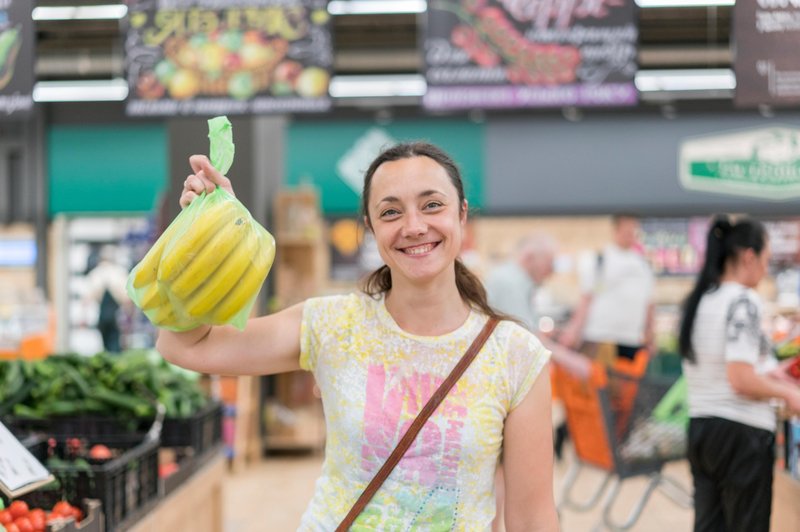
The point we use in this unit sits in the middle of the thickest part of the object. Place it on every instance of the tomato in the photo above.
(100, 452)
(18, 509)
(77, 514)
(62, 509)
(38, 519)
(11, 527)
(5, 517)
(24, 524)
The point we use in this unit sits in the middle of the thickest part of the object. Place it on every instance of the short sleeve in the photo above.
(326, 321)
(743, 330)
(526, 359)
(309, 341)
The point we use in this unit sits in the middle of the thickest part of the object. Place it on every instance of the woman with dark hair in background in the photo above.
(731, 376)
(377, 356)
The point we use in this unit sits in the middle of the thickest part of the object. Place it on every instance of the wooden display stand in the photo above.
(785, 498)
(294, 416)
(197, 505)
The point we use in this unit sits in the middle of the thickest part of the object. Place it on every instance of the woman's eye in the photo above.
(433, 205)
(389, 212)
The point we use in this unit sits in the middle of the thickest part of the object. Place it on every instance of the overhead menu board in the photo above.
(207, 57)
(16, 58)
(509, 54)
(767, 64)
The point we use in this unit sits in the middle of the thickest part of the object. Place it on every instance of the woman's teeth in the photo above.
(419, 250)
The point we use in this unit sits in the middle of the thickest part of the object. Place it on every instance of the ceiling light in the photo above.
(685, 3)
(708, 79)
(111, 90)
(388, 85)
(99, 12)
(376, 7)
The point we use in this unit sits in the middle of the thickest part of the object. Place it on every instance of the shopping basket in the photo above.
(617, 422)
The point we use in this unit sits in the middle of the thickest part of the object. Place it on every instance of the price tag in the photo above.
(20, 471)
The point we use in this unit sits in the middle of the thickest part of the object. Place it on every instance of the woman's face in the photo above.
(756, 265)
(416, 217)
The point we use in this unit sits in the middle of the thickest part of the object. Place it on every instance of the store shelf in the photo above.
(195, 506)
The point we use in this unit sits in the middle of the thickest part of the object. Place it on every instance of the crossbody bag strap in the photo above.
(408, 438)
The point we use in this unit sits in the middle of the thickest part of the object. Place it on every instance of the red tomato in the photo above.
(38, 519)
(77, 514)
(62, 509)
(18, 509)
(24, 524)
(11, 527)
(5, 517)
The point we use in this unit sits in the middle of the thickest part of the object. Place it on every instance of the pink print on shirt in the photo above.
(393, 401)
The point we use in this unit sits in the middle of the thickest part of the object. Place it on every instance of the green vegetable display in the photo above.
(126, 387)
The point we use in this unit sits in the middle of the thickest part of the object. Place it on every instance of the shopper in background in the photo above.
(106, 286)
(616, 309)
(511, 288)
(377, 355)
(730, 375)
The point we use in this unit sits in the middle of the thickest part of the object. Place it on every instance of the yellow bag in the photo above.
(209, 264)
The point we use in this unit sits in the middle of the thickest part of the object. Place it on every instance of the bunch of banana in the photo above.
(206, 270)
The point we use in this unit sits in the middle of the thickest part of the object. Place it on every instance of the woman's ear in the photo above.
(366, 223)
(464, 211)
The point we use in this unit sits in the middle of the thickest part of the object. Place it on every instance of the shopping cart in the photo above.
(625, 423)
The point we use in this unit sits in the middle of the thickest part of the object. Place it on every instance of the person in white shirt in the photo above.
(731, 375)
(512, 286)
(616, 307)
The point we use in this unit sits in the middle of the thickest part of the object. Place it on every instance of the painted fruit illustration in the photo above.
(312, 82)
(10, 43)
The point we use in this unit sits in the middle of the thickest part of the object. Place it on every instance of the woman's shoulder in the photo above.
(349, 304)
(513, 334)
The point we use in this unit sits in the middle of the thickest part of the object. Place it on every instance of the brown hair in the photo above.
(380, 281)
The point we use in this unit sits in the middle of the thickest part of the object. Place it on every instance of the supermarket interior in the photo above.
(568, 120)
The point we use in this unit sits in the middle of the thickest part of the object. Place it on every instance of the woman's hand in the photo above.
(205, 178)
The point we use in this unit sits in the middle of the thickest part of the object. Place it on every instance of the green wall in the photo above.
(316, 149)
(106, 168)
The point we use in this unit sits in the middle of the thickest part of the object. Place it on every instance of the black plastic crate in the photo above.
(124, 484)
(201, 432)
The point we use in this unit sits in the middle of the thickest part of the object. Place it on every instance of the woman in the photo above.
(377, 356)
(731, 377)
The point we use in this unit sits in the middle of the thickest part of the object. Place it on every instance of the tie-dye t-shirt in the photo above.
(375, 378)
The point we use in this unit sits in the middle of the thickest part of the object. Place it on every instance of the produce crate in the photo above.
(201, 432)
(92, 521)
(125, 484)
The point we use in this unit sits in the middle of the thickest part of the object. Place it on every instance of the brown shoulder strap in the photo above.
(408, 438)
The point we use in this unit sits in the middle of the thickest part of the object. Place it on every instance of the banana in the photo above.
(147, 268)
(247, 287)
(166, 317)
(200, 232)
(152, 297)
(208, 259)
(219, 283)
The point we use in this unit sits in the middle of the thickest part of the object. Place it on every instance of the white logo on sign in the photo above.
(356, 160)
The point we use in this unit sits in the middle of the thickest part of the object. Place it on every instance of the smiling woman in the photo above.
(378, 356)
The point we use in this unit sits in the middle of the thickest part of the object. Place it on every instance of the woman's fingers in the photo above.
(186, 198)
(201, 164)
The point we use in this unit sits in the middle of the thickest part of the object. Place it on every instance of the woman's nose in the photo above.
(414, 225)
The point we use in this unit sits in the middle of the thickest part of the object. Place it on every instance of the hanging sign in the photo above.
(16, 58)
(759, 163)
(767, 65)
(511, 53)
(206, 57)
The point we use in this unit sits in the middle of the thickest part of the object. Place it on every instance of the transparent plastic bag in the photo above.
(209, 264)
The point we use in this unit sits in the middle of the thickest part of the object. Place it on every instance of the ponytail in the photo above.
(724, 242)
(469, 286)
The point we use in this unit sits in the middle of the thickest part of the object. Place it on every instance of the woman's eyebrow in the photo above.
(423, 194)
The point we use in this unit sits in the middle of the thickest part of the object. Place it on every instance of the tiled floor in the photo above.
(271, 496)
